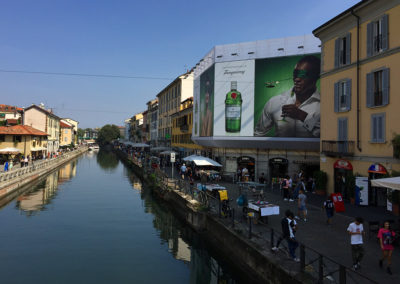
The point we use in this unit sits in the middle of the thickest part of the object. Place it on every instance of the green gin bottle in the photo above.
(233, 109)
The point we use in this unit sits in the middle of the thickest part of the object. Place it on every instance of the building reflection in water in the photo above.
(185, 245)
(40, 197)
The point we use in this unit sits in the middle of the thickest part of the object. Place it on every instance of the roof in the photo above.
(8, 108)
(43, 110)
(21, 130)
(64, 125)
(182, 76)
(341, 15)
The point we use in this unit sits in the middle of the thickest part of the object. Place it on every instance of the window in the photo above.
(342, 50)
(377, 36)
(378, 88)
(66, 131)
(17, 138)
(2, 138)
(342, 96)
(65, 139)
(378, 128)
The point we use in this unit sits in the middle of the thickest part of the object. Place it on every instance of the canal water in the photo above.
(92, 221)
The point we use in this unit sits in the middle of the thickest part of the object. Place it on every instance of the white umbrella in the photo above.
(392, 183)
(9, 150)
(168, 152)
(140, 145)
(202, 161)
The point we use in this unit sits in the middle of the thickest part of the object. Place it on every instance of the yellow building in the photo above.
(66, 133)
(169, 102)
(182, 123)
(359, 101)
(28, 141)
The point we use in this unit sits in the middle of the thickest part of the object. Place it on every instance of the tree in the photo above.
(108, 133)
(81, 133)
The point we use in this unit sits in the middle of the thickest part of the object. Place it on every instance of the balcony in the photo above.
(184, 128)
(338, 148)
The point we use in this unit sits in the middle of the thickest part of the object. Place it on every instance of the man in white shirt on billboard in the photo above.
(296, 112)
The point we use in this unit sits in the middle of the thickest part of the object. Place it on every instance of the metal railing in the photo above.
(338, 148)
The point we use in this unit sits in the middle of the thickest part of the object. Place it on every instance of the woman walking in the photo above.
(386, 238)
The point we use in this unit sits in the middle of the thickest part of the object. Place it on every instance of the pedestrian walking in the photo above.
(292, 242)
(6, 166)
(285, 187)
(301, 205)
(329, 209)
(183, 171)
(285, 231)
(356, 231)
(26, 161)
(386, 238)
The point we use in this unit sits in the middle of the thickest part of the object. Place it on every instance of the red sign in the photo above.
(343, 164)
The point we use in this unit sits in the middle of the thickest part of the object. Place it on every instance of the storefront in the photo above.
(248, 163)
(278, 169)
(377, 196)
(342, 170)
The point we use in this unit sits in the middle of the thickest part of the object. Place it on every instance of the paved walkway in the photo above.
(330, 240)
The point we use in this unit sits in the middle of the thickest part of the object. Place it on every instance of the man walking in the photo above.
(302, 209)
(356, 231)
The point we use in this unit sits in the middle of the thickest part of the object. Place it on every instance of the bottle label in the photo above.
(232, 111)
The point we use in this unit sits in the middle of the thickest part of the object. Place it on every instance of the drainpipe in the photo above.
(358, 81)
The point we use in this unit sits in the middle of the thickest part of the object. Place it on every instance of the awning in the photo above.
(202, 161)
(140, 145)
(169, 152)
(156, 149)
(393, 182)
(34, 149)
(10, 150)
(377, 169)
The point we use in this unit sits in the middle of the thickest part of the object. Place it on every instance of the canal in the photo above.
(92, 221)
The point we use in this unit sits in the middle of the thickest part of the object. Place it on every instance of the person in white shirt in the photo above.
(296, 112)
(356, 231)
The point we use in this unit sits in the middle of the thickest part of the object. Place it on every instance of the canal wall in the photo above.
(13, 180)
(245, 256)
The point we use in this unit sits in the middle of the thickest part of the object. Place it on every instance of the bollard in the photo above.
(320, 269)
(302, 257)
(249, 219)
(233, 217)
(342, 274)
(272, 238)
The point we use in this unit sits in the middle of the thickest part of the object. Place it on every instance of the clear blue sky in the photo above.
(151, 38)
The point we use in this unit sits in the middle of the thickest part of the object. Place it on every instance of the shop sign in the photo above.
(245, 159)
(343, 164)
(278, 161)
(377, 169)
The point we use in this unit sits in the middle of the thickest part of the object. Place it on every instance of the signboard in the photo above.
(172, 157)
(269, 97)
(362, 186)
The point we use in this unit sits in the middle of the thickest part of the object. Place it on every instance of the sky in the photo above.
(152, 41)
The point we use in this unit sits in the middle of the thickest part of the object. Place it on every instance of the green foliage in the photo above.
(3, 122)
(81, 132)
(396, 146)
(108, 133)
(321, 179)
(351, 185)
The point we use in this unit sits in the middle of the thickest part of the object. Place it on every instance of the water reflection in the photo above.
(184, 244)
(107, 160)
(42, 194)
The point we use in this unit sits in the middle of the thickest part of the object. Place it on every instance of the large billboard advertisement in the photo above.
(271, 97)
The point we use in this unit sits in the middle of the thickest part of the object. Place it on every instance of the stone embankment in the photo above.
(14, 179)
(248, 258)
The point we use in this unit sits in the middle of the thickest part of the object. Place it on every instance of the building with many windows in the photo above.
(10, 115)
(169, 102)
(182, 124)
(152, 120)
(66, 133)
(359, 83)
(44, 120)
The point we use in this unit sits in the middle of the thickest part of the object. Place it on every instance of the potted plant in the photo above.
(396, 146)
(321, 180)
(351, 187)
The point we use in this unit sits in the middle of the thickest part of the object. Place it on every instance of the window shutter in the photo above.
(369, 39)
(348, 96)
(348, 48)
(373, 129)
(337, 52)
(336, 98)
(370, 89)
(385, 31)
(379, 131)
(385, 86)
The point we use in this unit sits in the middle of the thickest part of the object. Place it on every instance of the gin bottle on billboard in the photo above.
(233, 109)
